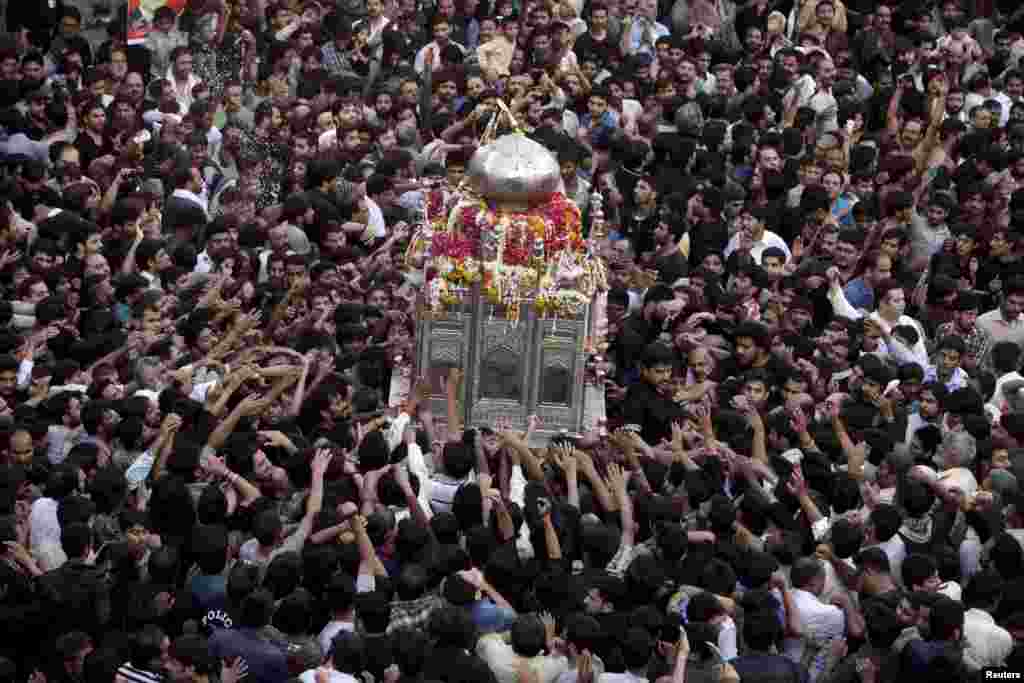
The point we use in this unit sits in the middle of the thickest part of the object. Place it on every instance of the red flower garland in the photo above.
(560, 231)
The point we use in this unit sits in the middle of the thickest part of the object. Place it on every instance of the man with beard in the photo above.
(186, 208)
(667, 258)
(124, 220)
(641, 329)
(230, 151)
(34, 190)
(63, 436)
(649, 409)
(133, 90)
(753, 352)
(33, 73)
(1005, 323)
(38, 124)
(1004, 262)
(218, 246)
(442, 38)
(963, 325)
(67, 163)
(928, 235)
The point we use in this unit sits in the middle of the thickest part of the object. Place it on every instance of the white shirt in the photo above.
(204, 264)
(505, 663)
(896, 550)
(997, 402)
(988, 644)
(421, 56)
(200, 200)
(332, 629)
(974, 99)
(768, 239)
(376, 228)
(818, 621)
(643, 34)
(627, 677)
(182, 92)
(827, 110)
(333, 676)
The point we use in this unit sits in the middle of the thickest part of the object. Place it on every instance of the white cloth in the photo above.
(843, 308)
(819, 622)
(988, 644)
(997, 401)
(182, 92)
(200, 200)
(332, 629)
(43, 524)
(768, 239)
(505, 663)
(421, 56)
(376, 228)
(333, 676)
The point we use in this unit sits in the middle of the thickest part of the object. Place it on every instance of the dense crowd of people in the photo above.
(217, 462)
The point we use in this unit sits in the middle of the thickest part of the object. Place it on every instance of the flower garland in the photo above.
(538, 254)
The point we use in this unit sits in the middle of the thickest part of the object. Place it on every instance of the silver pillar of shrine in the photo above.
(511, 369)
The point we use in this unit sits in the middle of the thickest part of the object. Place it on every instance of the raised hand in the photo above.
(321, 461)
(565, 458)
(616, 479)
(797, 485)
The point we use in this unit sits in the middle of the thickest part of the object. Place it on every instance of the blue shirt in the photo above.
(601, 133)
(758, 666)
(264, 661)
(489, 618)
(859, 294)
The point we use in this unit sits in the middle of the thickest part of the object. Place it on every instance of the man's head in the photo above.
(657, 363)
(1013, 301)
(189, 660)
(752, 344)
(181, 62)
(808, 574)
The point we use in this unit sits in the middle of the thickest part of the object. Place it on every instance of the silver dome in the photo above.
(516, 169)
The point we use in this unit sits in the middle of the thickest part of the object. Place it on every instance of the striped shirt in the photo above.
(130, 674)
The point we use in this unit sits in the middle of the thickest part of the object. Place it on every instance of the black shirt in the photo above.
(651, 411)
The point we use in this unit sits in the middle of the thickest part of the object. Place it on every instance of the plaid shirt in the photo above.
(413, 614)
(978, 341)
(335, 61)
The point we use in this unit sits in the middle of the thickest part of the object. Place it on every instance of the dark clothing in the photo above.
(265, 661)
(76, 598)
(651, 411)
(26, 202)
(636, 334)
(89, 151)
(768, 668)
(671, 267)
(379, 654)
(846, 670)
(586, 47)
(918, 655)
(708, 237)
(452, 664)
(22, 617)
